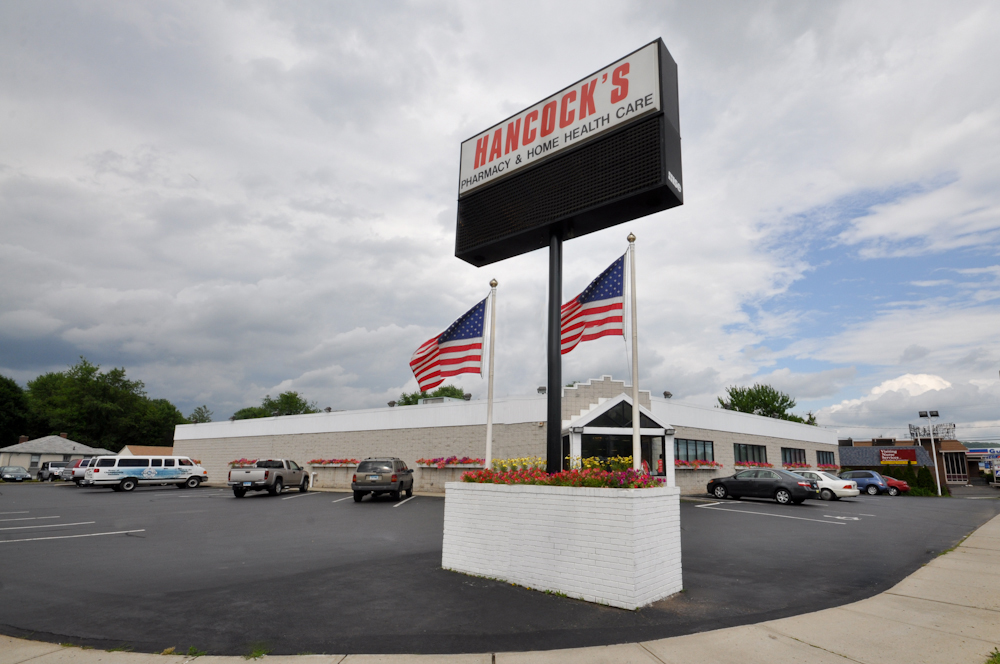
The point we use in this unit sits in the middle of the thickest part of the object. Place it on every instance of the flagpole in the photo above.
(489, 389)
(636, 436)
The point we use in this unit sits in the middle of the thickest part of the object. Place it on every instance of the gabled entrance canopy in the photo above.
(606, 431)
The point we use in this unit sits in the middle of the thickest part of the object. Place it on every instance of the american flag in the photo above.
(597, 311)
(457, 350)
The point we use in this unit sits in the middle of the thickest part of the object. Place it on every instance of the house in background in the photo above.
(32, 453)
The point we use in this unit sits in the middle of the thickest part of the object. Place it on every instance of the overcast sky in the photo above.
(237, 199)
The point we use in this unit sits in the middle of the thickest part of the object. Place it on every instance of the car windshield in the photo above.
(829, 477)
(375, 467)
(270, 463)
(14, 469)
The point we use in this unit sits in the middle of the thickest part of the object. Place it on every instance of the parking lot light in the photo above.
(930, 415)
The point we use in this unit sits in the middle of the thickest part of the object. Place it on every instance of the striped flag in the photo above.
(597, 311)
(457, 350)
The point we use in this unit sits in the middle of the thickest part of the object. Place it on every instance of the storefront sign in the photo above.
(896, 456)
(619, 93)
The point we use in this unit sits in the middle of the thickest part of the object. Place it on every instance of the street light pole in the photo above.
(930, 415)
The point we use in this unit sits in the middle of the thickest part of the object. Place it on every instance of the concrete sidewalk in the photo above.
(946, 612)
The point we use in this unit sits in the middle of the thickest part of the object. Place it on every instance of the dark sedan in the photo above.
(783, 486)
(14, 474)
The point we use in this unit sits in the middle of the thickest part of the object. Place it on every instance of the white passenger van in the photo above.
(125, 473)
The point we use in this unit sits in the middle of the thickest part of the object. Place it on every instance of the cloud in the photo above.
(232, 198)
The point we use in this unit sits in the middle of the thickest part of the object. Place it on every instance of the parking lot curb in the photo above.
(947, 611)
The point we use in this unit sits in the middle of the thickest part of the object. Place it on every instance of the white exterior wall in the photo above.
(620, 547)
(459, 428)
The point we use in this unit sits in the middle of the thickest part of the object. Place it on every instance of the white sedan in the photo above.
(831, 487)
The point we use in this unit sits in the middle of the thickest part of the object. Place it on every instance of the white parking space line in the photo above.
(50, 525)
(21, 512)
(403, 502)
(37, 539)
(340, 500)
(32, 518)
(301, 495)
(711, 506)
(851, 513)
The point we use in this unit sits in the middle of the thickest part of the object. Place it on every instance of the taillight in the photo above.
(394, 479)
(267, 473)
(805, 484)
(354, 478)
(230, 476)
(848, 486)
(97, 470)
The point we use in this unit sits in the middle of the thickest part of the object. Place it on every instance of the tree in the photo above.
(200, 415)
(13, 411)
(763, 400)
(100, 409)
(412, 398)
(287, 403)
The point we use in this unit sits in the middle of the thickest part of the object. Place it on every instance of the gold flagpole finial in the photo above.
(493, 283)
(630, 238)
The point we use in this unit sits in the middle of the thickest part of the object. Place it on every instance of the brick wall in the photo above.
(619, 547)
(584, 395)
(509, 440)
(694, 481)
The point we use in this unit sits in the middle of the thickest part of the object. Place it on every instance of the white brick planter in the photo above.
(334, 475)
(620, 547)
(431, 479)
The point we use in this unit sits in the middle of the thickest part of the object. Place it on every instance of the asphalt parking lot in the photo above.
(317, 573)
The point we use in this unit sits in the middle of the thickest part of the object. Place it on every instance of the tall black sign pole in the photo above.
(553, 434)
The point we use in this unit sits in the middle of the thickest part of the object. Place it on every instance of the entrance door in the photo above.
(956, 468)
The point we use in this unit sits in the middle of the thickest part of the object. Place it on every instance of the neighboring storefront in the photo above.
(706, 442)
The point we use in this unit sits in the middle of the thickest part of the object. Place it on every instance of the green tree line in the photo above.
(98, 408)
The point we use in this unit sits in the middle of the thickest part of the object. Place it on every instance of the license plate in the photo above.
(247, 483)
(373, 477)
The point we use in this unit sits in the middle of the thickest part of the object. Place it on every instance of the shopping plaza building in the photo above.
(597, 421)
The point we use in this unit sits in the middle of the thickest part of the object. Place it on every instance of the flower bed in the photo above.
(334, 462)
(828, 466)
(697, 464)
(242, 463)
(578, 477)
(796, 466)
(442, 462)
(753, 464)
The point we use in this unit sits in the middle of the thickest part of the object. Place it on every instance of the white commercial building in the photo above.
(596, 422)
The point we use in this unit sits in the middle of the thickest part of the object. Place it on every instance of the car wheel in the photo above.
(409, 491)
(358, 495)
(782, 496)
(76, 482)
(304, 486)
(720, 491)
(826, 494)
(394, 495)
(277, 487)
(871, 490)
(239, 492)
(893, 491)
(128, 484)
(192, 482)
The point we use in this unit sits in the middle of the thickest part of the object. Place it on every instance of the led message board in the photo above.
(600, 152)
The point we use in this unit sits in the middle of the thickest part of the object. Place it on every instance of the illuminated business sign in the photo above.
(898, 456)
(599, 152)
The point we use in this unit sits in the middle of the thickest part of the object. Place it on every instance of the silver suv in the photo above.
(378, 475)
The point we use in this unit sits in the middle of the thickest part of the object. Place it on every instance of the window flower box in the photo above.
(698, 464)
(828, 466)
(620, 547)
(242, 463)
(336, 463)
(435, 473)
(753, 464)
(796, 466)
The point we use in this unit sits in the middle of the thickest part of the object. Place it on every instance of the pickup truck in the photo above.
(271, 475)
